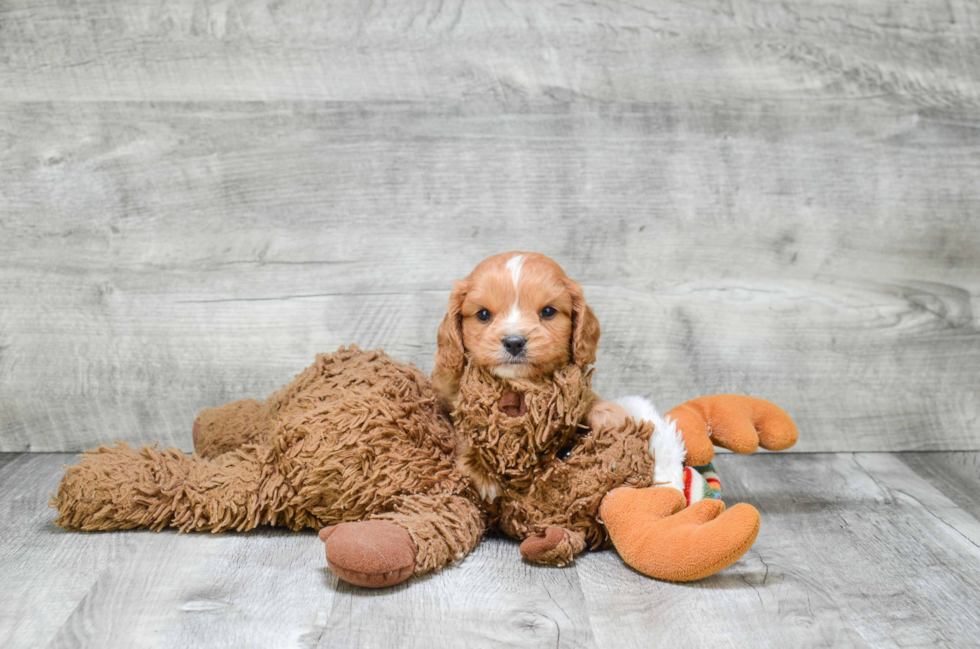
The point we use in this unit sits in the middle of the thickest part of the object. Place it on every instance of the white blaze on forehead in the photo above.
(514, 266)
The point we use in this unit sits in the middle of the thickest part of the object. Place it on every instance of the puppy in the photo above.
(520, 316)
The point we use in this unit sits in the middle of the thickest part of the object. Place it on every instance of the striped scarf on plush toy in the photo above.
(667, 446)
(701, 483)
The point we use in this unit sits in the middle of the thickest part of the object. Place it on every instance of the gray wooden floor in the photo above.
(867, 549)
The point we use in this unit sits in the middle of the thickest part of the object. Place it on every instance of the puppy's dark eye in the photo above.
(483, 315)
(548, 312)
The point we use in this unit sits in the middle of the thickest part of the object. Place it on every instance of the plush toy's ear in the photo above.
(449, 355)
(585, 328)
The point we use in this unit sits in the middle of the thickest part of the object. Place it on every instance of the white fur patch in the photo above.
(666, 443)
(510, 371)
(514, 266)
(514, 318)
(488, 492)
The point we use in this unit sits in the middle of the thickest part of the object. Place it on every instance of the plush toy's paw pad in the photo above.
(534, 548)
(372, 554)
(554, 547)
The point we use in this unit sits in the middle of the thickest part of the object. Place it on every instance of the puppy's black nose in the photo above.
(514, 344)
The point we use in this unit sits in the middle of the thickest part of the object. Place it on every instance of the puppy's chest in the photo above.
(545, 466)
(511, 435)
(512, 426)
(568, 489)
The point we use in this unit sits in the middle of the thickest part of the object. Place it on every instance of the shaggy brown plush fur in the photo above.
(548, 469)
(355, 436)
(508, 427)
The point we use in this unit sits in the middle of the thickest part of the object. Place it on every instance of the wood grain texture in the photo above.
(953, 474)
(775, 199)
(855, 550)
(455, 50)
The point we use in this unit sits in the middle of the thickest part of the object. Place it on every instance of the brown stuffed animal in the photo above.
(364, 445)
(356, 436)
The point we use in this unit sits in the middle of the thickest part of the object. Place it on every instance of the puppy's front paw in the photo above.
(606, 415)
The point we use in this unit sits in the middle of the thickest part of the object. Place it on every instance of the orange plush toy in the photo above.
(681, 531)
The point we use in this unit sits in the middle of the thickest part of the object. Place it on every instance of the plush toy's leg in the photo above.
(225, 428)
(122, 488)
(420, 533)
(655, 534)
(555, 546)
(732, 421)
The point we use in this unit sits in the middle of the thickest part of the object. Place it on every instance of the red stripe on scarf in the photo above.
(687, 484)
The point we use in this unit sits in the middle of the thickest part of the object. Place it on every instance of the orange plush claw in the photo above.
(732, 421)
(655, 534)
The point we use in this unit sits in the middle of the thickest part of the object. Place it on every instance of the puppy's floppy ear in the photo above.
(585, 328)
(449, 355)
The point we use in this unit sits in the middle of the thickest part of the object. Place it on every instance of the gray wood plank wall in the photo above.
(772, 198)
